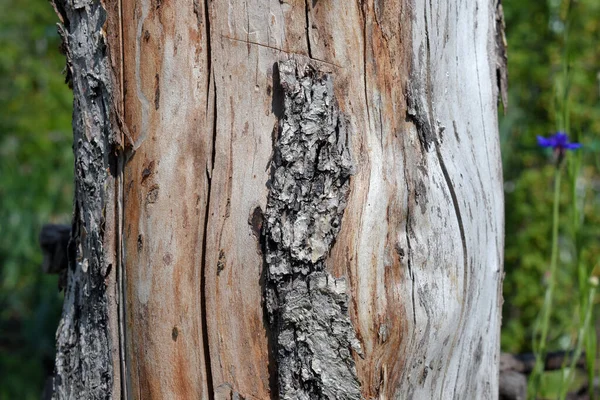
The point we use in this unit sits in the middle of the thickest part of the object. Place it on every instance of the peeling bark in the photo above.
(308, 308)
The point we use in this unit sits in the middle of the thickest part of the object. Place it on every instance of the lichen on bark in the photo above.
(307, 307)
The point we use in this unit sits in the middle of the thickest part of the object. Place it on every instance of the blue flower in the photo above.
(559, 142)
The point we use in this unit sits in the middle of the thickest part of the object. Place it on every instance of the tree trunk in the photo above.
(283, 199)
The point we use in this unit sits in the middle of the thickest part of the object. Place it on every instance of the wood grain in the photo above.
(168, 112)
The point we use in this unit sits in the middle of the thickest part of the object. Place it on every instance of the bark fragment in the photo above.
(501, 56)
(84, 367)
(307, 307)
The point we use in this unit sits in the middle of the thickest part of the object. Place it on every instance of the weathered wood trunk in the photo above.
(298, 199)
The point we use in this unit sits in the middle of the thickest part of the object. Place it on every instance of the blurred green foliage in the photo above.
(36, 177)
(538, 47)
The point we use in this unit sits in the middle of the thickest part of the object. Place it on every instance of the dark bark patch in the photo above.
(227, 209)
(84, 363)
(418, 111)
(256, 221)
(501, 56)
(198, 13)
(278, 94)
(156, 92)
(307, 307)
(147, 171)
(421, 196)
(399, 251)
(152, 195)
(221, 262)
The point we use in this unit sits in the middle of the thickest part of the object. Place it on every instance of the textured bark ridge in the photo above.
(84, 366)
(501, 55)
(308, 308)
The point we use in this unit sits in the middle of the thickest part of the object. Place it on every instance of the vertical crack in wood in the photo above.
(84, 364)
(209, 176)
(307, 11)
(120, 216)
(411, 274)
(307, 307)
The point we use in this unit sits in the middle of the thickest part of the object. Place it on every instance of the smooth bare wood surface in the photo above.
(168, 112)
(244, 126)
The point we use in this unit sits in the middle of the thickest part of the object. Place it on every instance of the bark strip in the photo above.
(307, 307)
(501, 55)
(84, 366)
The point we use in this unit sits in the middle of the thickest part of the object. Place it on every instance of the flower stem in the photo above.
(540, 349)
(581, 336)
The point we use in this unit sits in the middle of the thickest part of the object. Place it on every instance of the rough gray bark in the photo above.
(83, 354)
(308, 308)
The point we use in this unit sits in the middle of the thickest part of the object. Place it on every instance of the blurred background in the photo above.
(536, 37)
(36, 173)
